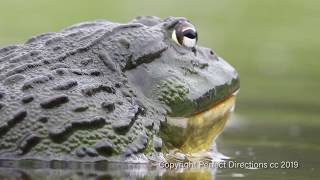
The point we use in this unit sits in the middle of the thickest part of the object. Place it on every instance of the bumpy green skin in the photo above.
(100, 90)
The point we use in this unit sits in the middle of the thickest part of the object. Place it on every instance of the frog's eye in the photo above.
(184, 34)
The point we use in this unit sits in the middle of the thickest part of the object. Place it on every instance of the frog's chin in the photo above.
(191, 135)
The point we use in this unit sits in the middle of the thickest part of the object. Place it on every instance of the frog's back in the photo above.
(62, 96)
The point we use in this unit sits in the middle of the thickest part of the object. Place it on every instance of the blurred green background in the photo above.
(273, 44)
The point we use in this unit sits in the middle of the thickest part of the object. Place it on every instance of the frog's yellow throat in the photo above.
(197, 133)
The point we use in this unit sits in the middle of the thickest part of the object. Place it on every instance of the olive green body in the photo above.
(102, 90)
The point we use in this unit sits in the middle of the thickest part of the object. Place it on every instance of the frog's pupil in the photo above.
(190, 34)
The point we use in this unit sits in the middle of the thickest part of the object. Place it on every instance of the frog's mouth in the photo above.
(197, 133)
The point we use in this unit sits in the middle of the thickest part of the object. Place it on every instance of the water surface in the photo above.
(261, 140)
(273, 44)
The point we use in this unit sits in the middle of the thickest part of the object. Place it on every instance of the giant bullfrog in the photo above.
(109, 91)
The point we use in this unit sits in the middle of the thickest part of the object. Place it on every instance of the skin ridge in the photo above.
(48, 90)
(102, 90)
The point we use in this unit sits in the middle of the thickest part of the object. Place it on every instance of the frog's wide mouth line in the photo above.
(217, 103)
(197, 133)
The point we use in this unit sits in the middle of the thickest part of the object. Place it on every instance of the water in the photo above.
(275, 151)
(273, 44)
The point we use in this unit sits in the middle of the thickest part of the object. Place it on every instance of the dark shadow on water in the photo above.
(27, 170)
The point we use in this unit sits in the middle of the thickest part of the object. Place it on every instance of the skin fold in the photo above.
(106, 91)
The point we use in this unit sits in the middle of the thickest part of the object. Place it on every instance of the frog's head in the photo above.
(196, 86)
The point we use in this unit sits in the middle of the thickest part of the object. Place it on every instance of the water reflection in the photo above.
(28, 170)
(244, 140)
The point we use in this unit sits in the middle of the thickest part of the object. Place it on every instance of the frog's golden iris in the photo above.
(110, 91)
